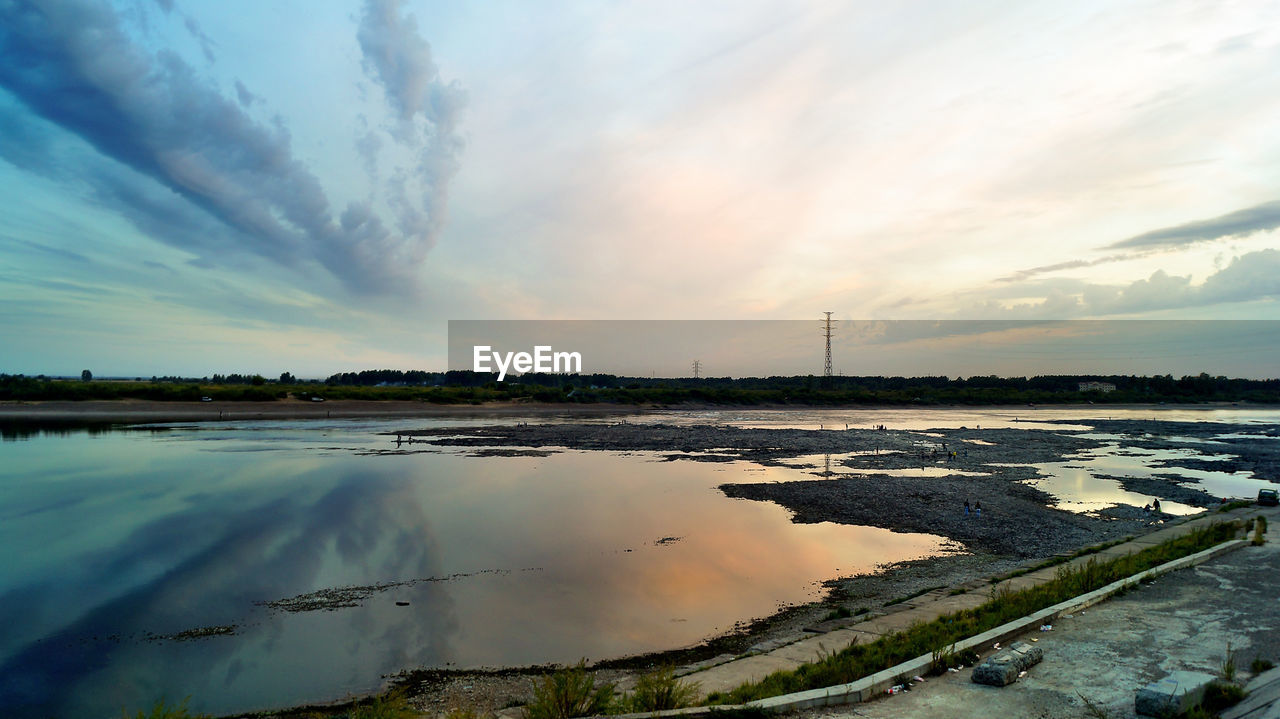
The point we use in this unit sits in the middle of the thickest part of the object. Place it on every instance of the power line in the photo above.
(697, 369)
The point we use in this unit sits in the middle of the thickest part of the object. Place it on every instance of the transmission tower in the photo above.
(826, 368)
(697, 369)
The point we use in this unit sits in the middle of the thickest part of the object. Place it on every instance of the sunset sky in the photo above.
(191, 188)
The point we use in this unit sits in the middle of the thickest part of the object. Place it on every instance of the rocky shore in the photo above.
(866, 477)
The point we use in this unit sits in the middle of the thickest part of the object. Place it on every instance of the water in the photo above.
(1030, 417)
(118, 541)
(1076, 483)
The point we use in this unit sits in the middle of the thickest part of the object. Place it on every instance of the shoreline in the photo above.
(1020, 529)
(127, 411)
(1020, 526)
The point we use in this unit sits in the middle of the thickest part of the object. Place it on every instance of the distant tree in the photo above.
(86, 375)
(286, 378)
(258, 380)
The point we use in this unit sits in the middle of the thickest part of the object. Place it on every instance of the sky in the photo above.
(197, 188)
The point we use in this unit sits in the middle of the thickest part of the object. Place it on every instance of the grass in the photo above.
(660, 690)
(1219, 696)
(1063, 559)
(161, 710)
(1229, 665)
(838, 613)
(1237, 504)
(1261, 665)
(944, 658)
(1259, 529)
(926, 638)
(570, 692)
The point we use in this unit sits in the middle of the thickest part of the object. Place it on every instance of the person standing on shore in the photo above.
(977, 510)
(1155, 506)
(966, 507)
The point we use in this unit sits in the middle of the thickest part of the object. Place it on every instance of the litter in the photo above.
(917, 679)
(1046, 627)
(1022, 673)
(953, 670)
(996, 645)
(896, 688)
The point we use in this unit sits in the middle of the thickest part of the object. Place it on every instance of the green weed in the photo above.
(1219, 696)
(660, 690)
(838, 613)
(570, 692)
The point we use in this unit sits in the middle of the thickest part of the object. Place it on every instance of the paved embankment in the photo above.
(729, 674)
(1184, 621)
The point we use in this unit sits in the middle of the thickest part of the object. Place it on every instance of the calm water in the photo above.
(115, 542)
(116, 538)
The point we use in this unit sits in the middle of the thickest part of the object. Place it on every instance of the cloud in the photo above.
(245, 97)
(1020, 275)
(1249, 277)
(427, 110)
(1259, 218)
(1241, 222)
(72, 64)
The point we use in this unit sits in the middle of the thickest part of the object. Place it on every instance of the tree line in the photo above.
(471, 387)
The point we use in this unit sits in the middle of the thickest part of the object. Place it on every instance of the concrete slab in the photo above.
(952, 603)
(1172, 695)
(1023, 582)
(844, 637)
(732, 675)
(810, 650)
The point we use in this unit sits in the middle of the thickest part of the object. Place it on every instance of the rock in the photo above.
(1172, 695)
(1004, 667)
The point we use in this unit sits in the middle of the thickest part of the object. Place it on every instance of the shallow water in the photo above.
(1076, 418)
(115, 538)
(1076, 483)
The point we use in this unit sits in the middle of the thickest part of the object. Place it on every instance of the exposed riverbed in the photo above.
(187, 559)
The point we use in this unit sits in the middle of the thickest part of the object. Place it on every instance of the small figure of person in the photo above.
(966, 507)
(1155, 506)
(977, 510)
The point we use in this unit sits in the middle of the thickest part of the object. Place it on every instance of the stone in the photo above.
(1172, 695)
(1003, 668)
